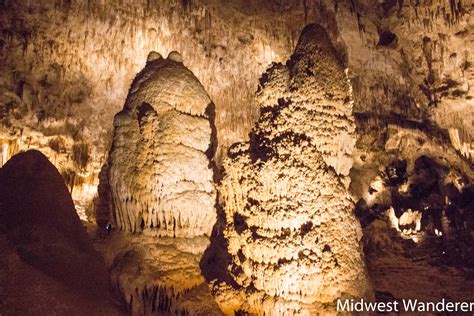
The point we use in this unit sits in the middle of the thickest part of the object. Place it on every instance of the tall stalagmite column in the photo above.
(294, 241)
(162, 190)
(160, 174)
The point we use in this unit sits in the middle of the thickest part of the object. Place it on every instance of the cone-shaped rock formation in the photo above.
(162, 189)
(294, 241)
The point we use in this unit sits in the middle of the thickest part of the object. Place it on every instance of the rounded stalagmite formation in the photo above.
(152, 56)
(291, 233)
(160, 173)
(162, 190)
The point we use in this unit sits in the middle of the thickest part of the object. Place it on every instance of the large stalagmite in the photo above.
(160, 173)
(162, 190)
(292, 236)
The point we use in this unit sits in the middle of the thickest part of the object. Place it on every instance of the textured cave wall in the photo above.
(294, 241)
(411, 73)
(161, 181)
(66, 67)
(410, 65)
(63, 60)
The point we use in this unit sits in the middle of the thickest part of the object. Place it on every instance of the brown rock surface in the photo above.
(48, 263)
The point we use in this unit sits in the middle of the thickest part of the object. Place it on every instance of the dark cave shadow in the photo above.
(216, 258)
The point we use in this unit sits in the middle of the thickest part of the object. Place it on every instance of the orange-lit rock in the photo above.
(159, 166)
(294, 241)
(161, 182)
(67, 66)
(65, 70)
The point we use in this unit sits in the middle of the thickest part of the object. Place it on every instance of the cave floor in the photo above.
(415, 271)
(421, 271)
(176, 256)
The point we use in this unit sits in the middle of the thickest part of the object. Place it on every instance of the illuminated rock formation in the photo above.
(66, 67)
(162, 188)
(49, 262)
(294, 241)
(315, 82)
(409, 58)
(159, 170)
(160, 276)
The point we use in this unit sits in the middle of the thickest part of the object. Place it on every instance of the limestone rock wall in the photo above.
(159, 167)
(294, 242)
(92, 51)
(66, 66)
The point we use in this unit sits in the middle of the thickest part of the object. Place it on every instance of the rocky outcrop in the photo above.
(159, 168)
(162, 187)
(294, 241)
(160, 276)
(48, 263)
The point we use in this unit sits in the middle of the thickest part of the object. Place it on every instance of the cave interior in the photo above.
(231, 157)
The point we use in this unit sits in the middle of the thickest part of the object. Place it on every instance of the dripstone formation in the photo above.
(160, 173)
(294, 242)
(161, 182)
